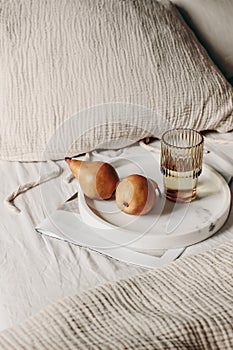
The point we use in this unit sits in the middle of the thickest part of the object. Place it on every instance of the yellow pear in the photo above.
(136, 194)
(98, 180)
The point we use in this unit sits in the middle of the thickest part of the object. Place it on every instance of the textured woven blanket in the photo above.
(185, 305)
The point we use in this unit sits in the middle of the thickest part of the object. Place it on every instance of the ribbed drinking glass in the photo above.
(181, 163)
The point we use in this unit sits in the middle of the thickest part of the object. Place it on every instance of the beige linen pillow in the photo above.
(137, 61)
(212, 22)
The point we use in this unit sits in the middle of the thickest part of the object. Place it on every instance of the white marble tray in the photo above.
(169, 225)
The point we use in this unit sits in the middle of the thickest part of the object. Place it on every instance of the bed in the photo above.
(36, 270)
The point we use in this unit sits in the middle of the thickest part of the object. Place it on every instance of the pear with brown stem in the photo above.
(136, 194)
(98, 180)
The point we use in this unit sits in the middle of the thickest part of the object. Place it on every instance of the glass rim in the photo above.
(182, 147)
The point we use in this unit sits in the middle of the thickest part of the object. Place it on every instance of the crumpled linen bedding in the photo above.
(36, 270)
(185, 305)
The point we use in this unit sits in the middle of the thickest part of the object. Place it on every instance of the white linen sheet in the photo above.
(36, 270)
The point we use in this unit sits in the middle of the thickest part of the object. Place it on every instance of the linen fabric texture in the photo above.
(211, 20)
(185, 305)
(77, 75)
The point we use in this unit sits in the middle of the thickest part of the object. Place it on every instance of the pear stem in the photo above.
(160, 193)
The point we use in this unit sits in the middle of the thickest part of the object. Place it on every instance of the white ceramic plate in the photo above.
(169, 225)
